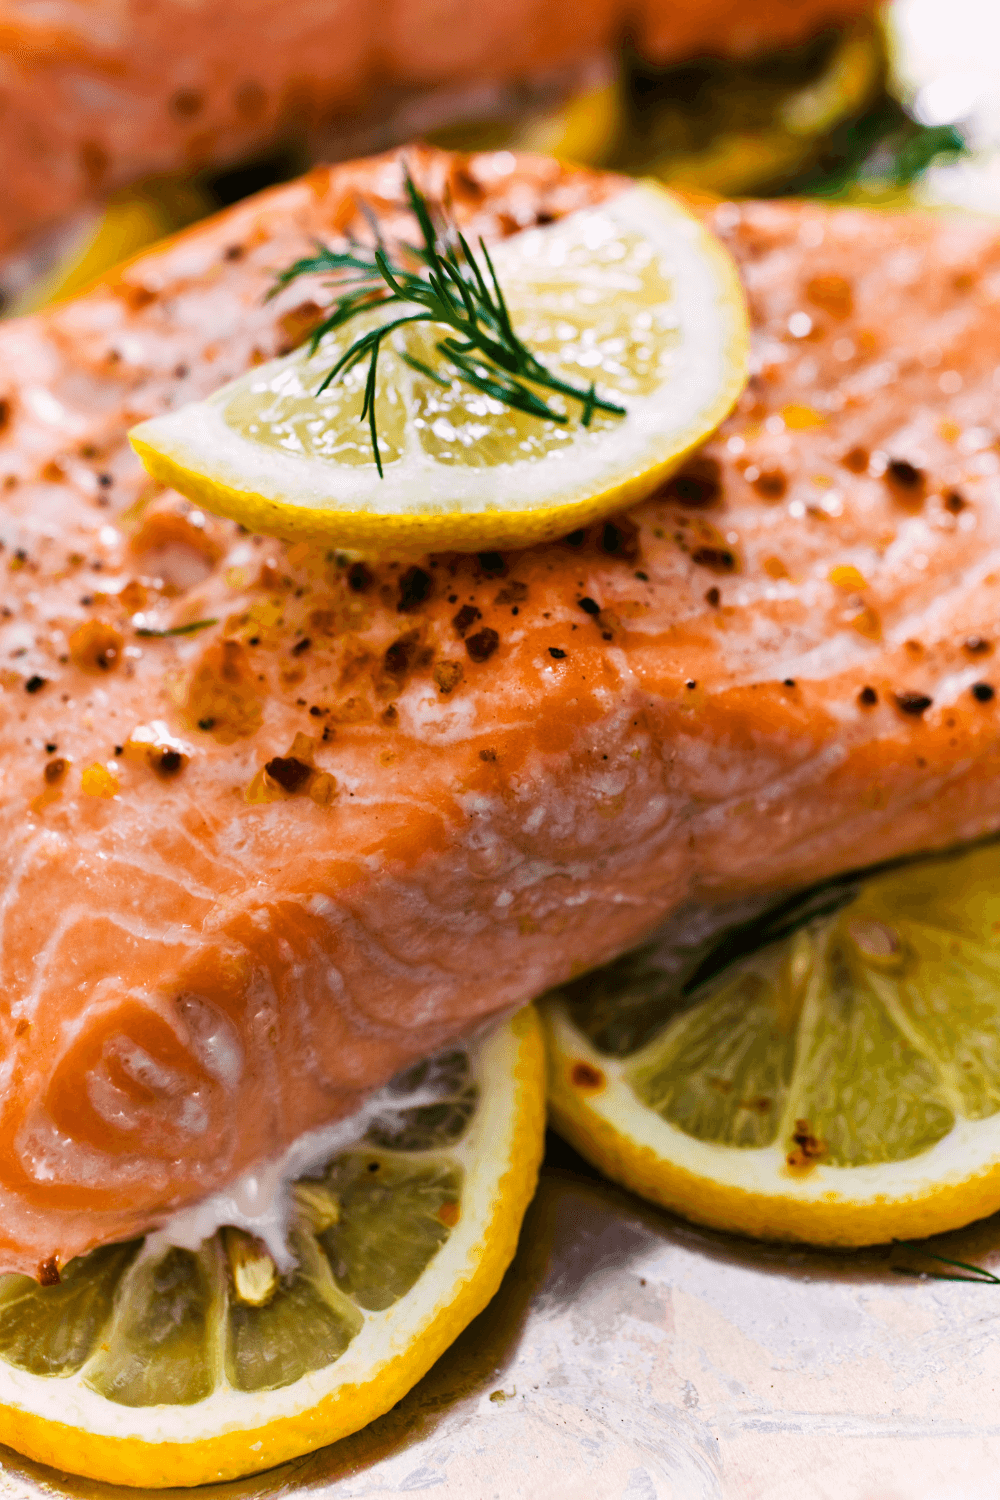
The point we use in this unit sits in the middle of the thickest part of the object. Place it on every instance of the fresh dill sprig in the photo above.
(188, 629)
(450, 288)
(977, 1274)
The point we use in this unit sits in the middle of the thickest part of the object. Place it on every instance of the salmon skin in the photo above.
(250, 870)
(85, 111)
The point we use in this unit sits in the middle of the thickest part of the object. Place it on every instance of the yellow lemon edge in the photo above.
(150, 1465)
(473, 531)
(834, 1220)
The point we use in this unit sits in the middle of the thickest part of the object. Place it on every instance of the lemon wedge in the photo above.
(839, 1086)
(154, 1365)
(633, 294)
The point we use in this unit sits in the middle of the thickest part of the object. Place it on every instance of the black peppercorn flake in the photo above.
(912, 703)
(789, 682)
(359, 578)
(290, 774)
(557, 652)
(414, 589)
(466, 617)
(35, 684)
(301, 646)
(982, 692)
(482, 645)
(492, 564)
(588, 605)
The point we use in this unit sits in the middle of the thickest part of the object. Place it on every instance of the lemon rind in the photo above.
(513, 1118)
(752, 1191)
(193, 450)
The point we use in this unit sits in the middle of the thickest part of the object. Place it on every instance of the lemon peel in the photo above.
(634, 293)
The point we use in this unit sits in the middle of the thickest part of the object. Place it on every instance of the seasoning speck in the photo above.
(982, 692)
(482, 645)
(868, 697)
(557, 653)
(34, 684)
(590, 606)
(912, 703)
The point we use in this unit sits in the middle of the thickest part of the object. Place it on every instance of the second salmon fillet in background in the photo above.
(493, 771)
(96, 95)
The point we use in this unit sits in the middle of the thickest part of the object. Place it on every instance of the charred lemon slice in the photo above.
(633, 296)
(151, 1364)
(839, 1086)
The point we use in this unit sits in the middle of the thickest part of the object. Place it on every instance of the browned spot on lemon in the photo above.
(585, 1076)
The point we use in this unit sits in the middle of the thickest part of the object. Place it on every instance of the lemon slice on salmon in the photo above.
(840, 1085)
(633, 294)
(154, 1365)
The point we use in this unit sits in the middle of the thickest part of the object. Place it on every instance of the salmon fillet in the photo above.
(85, 110)
(249, 872)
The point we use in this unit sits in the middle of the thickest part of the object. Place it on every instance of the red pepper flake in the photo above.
(35, 684)
(48, 1272)
(482, 645)
(808, 1147)
(55, 770)
(466, 618)
(913, 703)
(290, 774)
(583, 1075)
(95, 646)
(982, 692)
(857, 460)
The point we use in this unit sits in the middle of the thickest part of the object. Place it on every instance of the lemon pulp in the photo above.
(633, 294)
(151, 1364)
(840, 1085)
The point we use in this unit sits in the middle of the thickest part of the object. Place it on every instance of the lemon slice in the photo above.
(153, 1365)
(634, 294)
(839, 1086)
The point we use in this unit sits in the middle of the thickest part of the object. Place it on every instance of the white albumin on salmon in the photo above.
(248, 873)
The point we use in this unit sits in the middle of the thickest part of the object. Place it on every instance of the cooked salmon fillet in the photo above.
(97, 93)
(249, 872)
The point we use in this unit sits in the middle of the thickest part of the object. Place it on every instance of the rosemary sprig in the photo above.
(449, 288)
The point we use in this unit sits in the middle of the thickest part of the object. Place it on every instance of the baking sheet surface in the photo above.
(629, 1356)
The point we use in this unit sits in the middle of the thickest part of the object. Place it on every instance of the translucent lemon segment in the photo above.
(841, 1084)
(633, 295)
(176, 1366)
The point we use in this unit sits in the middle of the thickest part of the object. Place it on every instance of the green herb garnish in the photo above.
(977, 1274)
(451, 288)
(188, 629)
